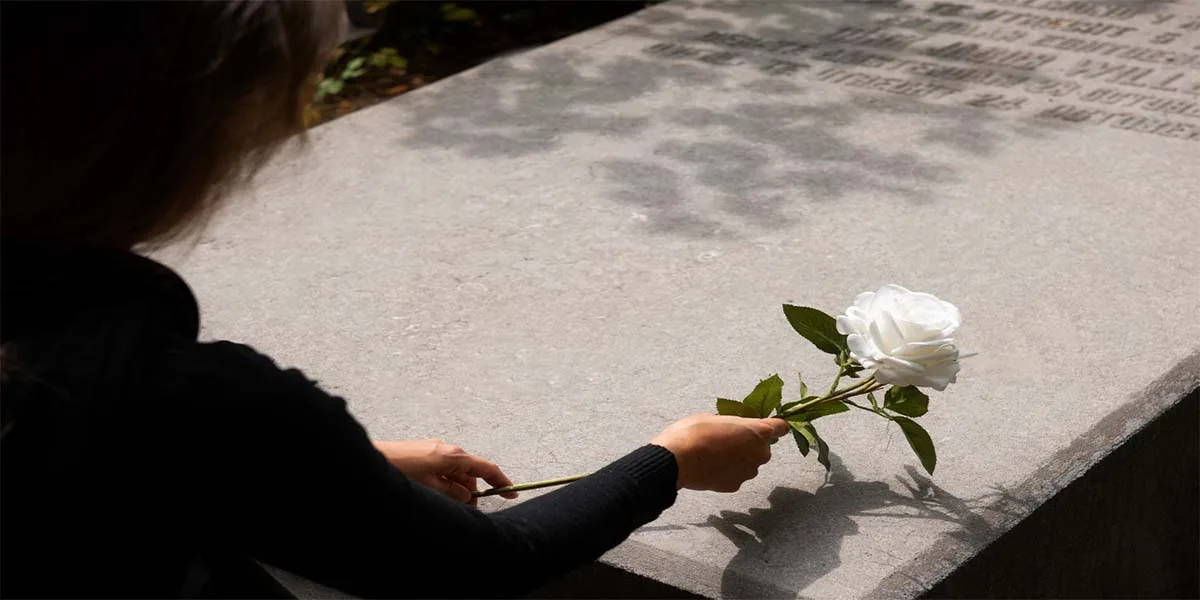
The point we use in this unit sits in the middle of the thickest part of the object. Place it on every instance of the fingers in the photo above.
(469, 482)
(456, 491)
(490, 473)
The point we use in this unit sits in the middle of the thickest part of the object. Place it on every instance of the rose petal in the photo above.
(885, 298)
(901, 364)
(861, 348)
(926, 352)
(887, 334)
(862, 301)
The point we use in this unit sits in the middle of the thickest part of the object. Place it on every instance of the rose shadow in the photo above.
(784, 548)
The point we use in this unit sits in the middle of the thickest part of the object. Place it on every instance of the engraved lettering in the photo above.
(1124, 99)
(948, 9)
(1126, 121)
(1077, 7)
(996, 57)
(737, 40)
(996, 102)
(1120, 51)
(873, 38)
(783, 67)
(724, 59)
(672, 50)
(892, 85)
(1035, 21)
(1134, 76)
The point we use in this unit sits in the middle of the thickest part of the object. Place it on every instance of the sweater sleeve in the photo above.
(293, 480)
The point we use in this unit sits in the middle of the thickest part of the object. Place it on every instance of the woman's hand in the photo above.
(720, 453)
(443, 467)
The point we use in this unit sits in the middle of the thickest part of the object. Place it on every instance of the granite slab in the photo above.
(550, 257)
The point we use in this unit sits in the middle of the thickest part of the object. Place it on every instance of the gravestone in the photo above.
(552, 256)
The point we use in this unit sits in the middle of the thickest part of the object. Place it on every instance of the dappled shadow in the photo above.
(704, 169)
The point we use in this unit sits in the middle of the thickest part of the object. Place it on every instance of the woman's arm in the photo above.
(297, 483)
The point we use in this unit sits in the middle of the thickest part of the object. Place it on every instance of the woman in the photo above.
(130, 449)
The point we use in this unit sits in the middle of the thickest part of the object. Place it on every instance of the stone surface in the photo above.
(550, 257)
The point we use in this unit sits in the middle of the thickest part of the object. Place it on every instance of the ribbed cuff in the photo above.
(655, 471)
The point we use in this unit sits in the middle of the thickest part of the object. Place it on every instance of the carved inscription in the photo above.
(1067, 61)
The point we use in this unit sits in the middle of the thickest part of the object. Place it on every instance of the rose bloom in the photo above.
(907, 337)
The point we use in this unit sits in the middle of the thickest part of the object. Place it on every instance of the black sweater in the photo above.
(130, 448)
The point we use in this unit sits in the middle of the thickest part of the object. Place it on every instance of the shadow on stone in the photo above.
(790, 143)
(1128, 528)
(797, 550)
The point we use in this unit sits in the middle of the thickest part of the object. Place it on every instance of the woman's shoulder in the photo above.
(238, 376)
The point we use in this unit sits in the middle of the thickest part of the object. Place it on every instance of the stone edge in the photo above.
(951, 549)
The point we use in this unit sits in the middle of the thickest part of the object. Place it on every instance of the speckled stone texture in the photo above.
(552, 256)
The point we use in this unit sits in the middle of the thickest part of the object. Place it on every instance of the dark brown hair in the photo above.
(124, 123)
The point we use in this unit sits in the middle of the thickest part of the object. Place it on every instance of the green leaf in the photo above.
(355, 63)
(803, 386)
(733, 408)
(822, 451)
(908, 401)
(765, 398)
(398, 62)
(452, 12)
(330, 86)
(816, 327)
(804, 435)
(821, 410)
(920, 441)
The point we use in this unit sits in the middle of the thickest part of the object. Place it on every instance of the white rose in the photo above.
(907, 337)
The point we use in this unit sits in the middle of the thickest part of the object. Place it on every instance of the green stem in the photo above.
(866, 386)
(836, 381)
(855, 390)
(528, 486)
(858, 406)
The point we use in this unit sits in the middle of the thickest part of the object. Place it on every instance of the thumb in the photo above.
(773, 428)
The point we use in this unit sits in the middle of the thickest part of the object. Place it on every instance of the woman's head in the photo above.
(125, 123)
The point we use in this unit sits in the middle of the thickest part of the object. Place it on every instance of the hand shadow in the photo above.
(784, 548)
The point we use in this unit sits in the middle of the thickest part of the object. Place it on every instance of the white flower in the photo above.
(907, 337)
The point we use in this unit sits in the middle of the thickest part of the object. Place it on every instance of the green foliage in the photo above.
(387, 58)
(920, 442)
(354, 68)
(384, 58)
(804, 436)
(821, 410)
(816, 327)
(760, 403)
(908, 401)
(732, 408)
(765, 397)
(847, 365)
(330, 86)
(454, 12)
(899, 403)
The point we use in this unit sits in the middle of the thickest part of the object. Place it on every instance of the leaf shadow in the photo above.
(699, 169)
(783, 549)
